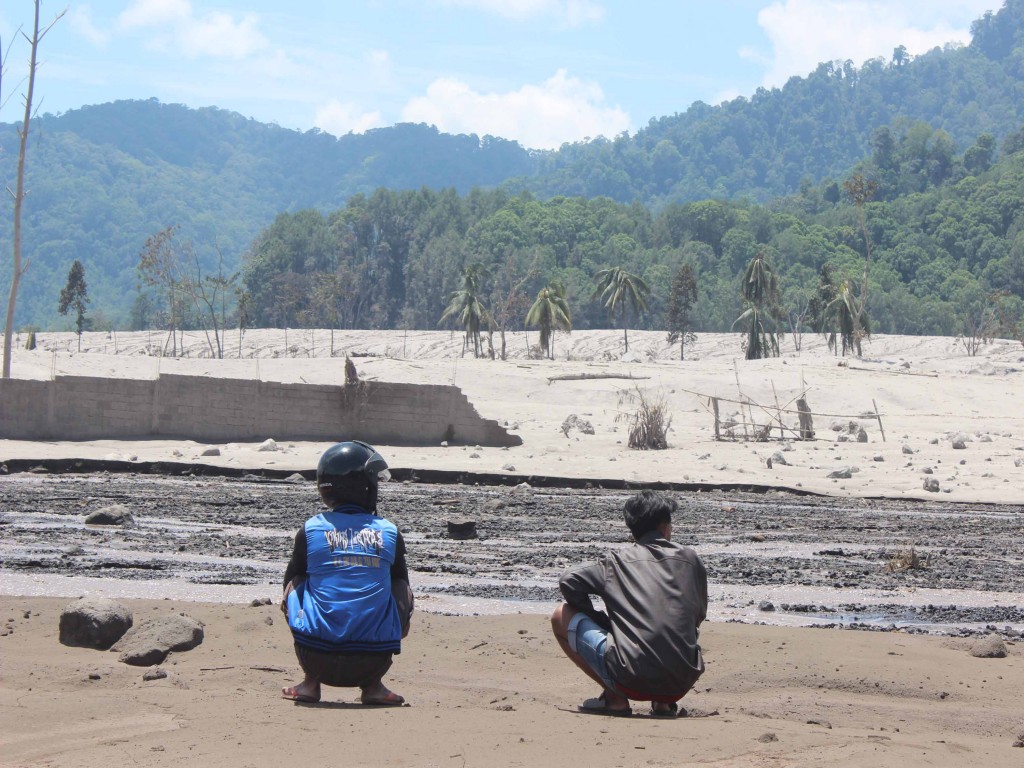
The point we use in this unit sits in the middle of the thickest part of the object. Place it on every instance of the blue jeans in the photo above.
(590, 641)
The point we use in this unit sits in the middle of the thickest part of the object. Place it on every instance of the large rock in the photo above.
(989, 647)
(115, 514)
(94, 622)
(150, 642)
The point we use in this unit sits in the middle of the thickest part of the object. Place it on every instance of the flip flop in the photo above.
(672, 711)
(292, 694)
(391, 700)
(598, 706)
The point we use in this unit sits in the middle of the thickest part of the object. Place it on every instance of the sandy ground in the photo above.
(493, 690)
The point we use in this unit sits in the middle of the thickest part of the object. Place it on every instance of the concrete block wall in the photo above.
(220, 410)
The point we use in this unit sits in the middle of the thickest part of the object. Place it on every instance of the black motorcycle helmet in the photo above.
(349, 473)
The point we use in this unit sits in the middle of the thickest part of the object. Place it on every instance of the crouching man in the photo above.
(656, 595)
(346, 588)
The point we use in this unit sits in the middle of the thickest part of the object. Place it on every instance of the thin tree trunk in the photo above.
(19, 197)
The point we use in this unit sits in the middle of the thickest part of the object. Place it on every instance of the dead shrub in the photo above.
(649, 423)
(906, 560)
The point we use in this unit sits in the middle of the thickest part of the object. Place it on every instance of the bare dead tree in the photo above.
(19, 193)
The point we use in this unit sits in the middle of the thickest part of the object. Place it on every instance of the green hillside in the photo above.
(103, 179)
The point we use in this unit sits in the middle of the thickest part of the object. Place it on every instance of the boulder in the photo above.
(150, 642)
(989, 647)
(843, 473)
(267, 445)
(779, 458)
(931, 484)
(211, 452)
(959, 442)
(115, 514)
(461, 528)
(94, 622)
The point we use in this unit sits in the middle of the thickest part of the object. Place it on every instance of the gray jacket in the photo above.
(656, 593)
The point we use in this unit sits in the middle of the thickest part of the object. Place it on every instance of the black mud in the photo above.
(237, 530)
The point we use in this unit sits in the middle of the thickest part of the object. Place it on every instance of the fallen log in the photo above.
(587, 376)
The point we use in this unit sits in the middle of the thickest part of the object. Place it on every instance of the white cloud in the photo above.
(337, 118)
(804, 33)
(541, 116)
(177, 26)
(572, 13)
(153, 13)
(81, 22)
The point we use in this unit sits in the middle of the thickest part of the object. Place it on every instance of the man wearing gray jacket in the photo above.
(655, 592)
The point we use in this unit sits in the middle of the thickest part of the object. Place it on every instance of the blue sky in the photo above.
(542, 72)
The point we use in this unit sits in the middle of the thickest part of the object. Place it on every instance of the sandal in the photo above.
(598, 706)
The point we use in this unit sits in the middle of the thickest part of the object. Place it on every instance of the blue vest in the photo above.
(345, 603)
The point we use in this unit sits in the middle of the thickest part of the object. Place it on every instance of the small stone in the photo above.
(509, 467)
(156, 673)
(878, 457)
(474, 455)
(907, 449)
(95, 676)
(444, 443)
(931, 484)
(267, 446)
(211, 452)
(843, 473)
(779, 458)
(959, 442)
(766, 605)
(933, 441)
(767, 738)
(928, 471)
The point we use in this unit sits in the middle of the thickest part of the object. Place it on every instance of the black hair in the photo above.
(646, 511)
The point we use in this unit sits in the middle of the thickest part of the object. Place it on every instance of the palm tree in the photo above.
(760, 318)
(849, 316)
(617, 288)
(550, 312)
(465, 306)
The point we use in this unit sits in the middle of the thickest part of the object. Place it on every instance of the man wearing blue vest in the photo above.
(346, 588)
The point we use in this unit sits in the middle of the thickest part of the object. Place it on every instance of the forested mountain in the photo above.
(939, 254)
(103, 179)
(811, 128)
